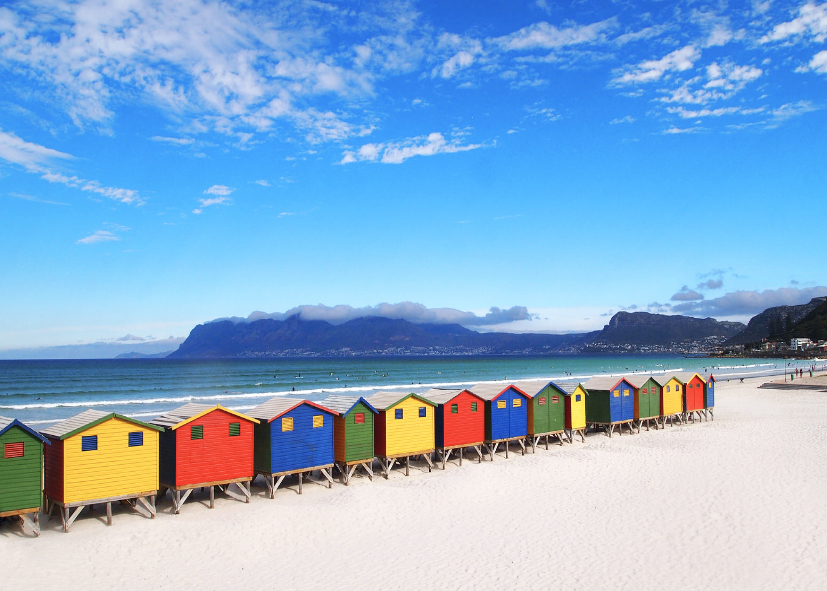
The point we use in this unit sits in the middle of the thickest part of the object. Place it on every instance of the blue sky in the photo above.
(165, 164)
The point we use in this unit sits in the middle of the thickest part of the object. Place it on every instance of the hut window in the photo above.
(287, 423)
(397, 413)
(677, 388)
(542, 400)
(136, 439)
(359, 418)
(577, 398)
(318, 421)
(473, 407)
(644, 391)
(516, 402)
(654, 391)
(13, 450)
(501, 404)
(617, 393)
(89, 443)
(197, 432)
(423, 412)
(668, 388)
(625, 392)
(235, 429)
(555, 399)
(454, 409)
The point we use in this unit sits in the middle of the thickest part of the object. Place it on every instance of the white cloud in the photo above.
(626, 119)
(398, 152)
(812, 19)
(31, 156)
(99, 236)
(263, 183)
(819, 62)
(545, 36)
(34, 158)
(678, 130)
(178, 141)
(749, 303)
(720, 35)
(679, 60)
(218, 190)
(695, 114)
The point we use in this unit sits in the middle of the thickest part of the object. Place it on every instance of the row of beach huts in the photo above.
(99, 458)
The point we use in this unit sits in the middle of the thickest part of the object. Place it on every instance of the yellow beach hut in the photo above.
(98, 458)
(575, 410)
(404, 428)
(671, 398)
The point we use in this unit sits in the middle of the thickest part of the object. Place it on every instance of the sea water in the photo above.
(42, 392)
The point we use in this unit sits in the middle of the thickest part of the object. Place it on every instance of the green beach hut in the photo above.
(21, 473)
(546, 411)
(352, 434)
(647, 399)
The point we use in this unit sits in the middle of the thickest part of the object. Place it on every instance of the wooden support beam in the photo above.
(407, 465)
(212, 497)
(108, 513)
(71, 519)
(33, 523)
(327, 475)
(300, 483)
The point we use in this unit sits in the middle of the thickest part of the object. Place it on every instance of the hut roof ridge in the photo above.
(342, 404)
(275, 407)
(88, 419)
(491, 390)
(191, 411)
(383, 400)
(6, 423)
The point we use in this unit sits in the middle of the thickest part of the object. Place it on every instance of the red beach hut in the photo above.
(459, 422)
(693, 394)
(205, 446)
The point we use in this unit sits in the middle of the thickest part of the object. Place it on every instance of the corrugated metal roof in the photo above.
(442, 395)
(532, 387)
(602, 382)
(567, 387)
(182, 413)
(638, 379)
(76, 422)
(269, 410)
(384, 400)
(489, 391)
(342, 404)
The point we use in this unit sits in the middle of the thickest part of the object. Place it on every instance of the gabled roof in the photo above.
(190, 412)
(7, 423)
(344, 404)
(685, 376)
(534, 387)
(607, 383)
(570, 387)
(385, 400)
(638, 379)
(445, 395)
(660, 380)
(86, 420)
(275, 407)
(490, 391)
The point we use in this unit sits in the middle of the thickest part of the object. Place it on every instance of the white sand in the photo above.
(738, 503)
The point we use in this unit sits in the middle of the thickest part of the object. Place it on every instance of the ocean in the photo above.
(42, 392)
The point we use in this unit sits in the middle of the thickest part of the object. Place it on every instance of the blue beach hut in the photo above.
(293, 437)
(506, 416)
(610, 403)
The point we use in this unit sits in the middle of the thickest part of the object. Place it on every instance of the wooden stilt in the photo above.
(212, 497)
(108, 513)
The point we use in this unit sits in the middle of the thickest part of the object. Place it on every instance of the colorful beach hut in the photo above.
(506, 416)
(459, 422)
(709, 395)
(205, 446)
(404, 429)
(647, 399)
(21, 473)
(293, 437)
(99, 458)
(546, 410)
(352, 434)
(575, 410)
(693, 394)
(671, 400)
(610, 403)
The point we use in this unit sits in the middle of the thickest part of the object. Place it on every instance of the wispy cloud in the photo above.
(398, 152)
(99, 236)
(33, 157)
(35, 199)
(543, 35)
(263, 183)
(626, 119)
(178, 141)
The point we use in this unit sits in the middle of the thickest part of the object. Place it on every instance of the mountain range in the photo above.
(635, 331)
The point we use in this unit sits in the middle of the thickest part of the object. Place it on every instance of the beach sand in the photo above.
(735, 503)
